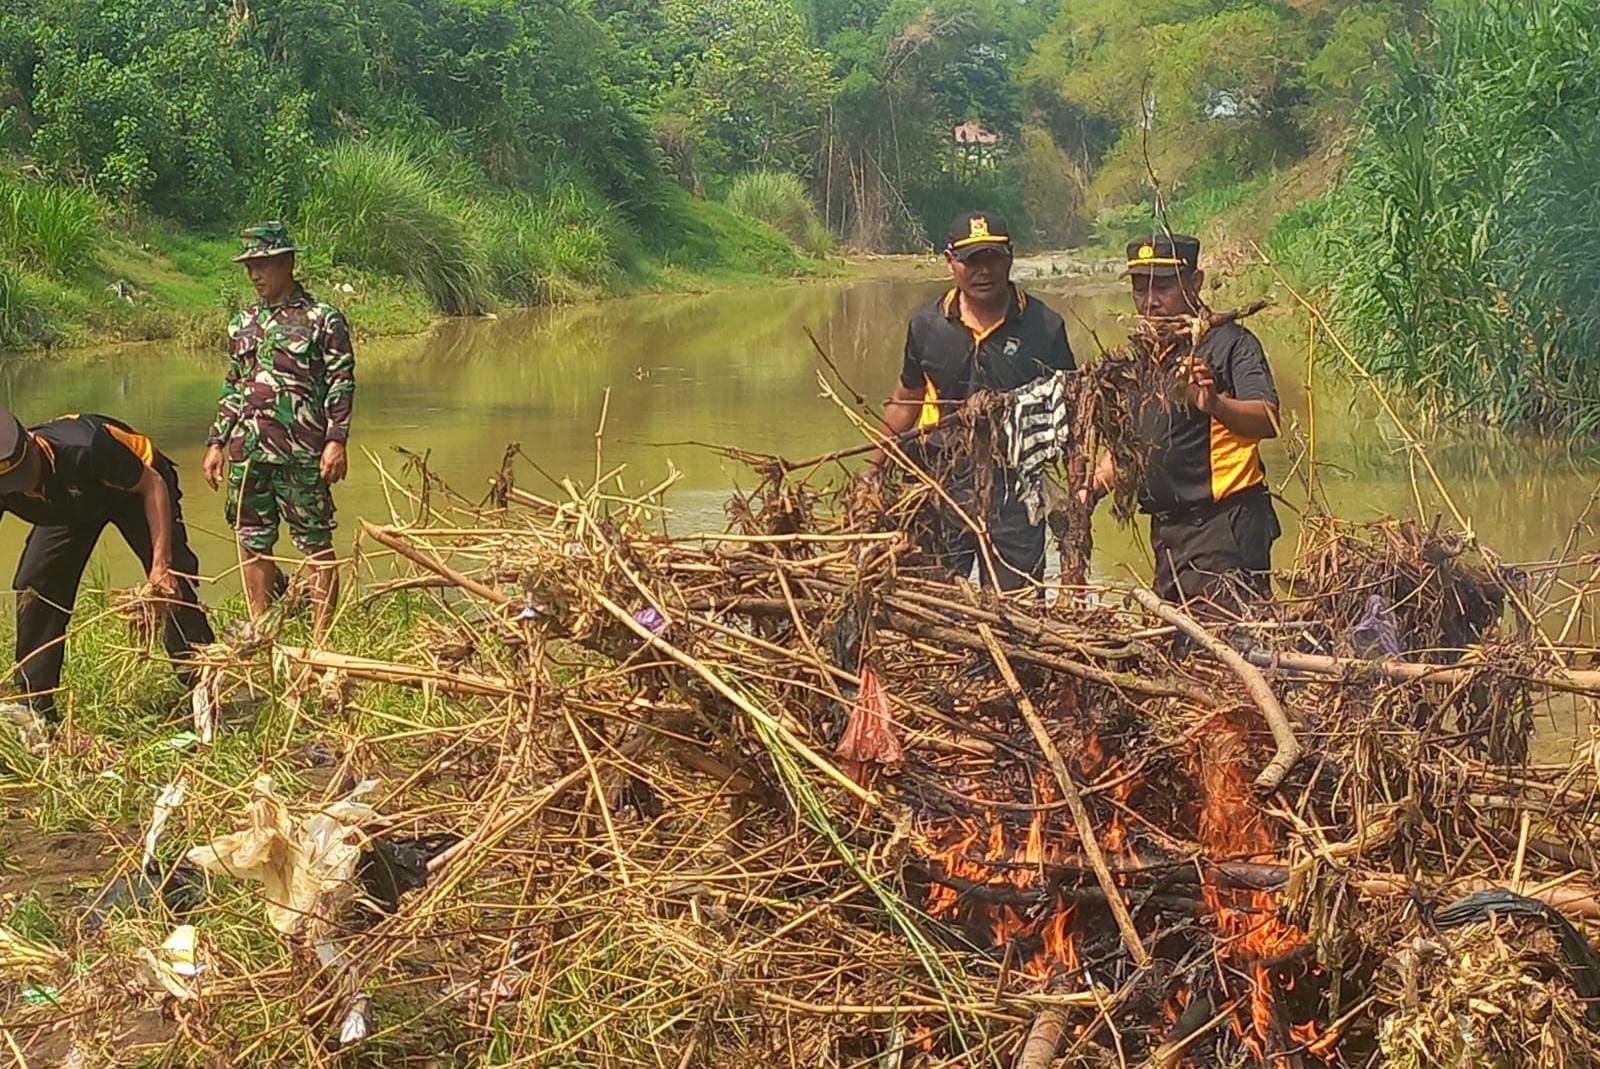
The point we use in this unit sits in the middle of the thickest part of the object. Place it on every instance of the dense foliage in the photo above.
(206, 110)
(862, 98)
(203, 109)
(1463, 233)
(480, 150)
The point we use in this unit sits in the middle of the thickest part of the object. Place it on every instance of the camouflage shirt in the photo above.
(291, 382)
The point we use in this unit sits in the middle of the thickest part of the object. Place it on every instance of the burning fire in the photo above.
(1250, 934)
(980, 852)
(1013, 879)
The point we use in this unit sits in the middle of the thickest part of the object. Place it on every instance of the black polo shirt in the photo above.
(948, 361)
(1194, 459)
(92, 465)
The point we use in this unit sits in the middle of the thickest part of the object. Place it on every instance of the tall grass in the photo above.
(375, 207)
(48, 228)
(780, 200)
(562, 243)
(16, 311)
(1464, 232)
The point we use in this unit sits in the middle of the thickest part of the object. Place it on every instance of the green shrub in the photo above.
(1295, 242)
(562, 244)
(1115, 227)
(51, 229)
(1192, 212)
(18, 315)
(1464, 230)
(376, 208)
(780, 200)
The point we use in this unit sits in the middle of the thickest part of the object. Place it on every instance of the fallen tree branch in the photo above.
(404, 674)
(1044, 1040)
(1254, 682)
(1571, 680)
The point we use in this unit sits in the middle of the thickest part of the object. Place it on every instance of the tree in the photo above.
(757, 89)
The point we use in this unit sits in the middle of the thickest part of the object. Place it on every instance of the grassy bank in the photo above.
(396, 239)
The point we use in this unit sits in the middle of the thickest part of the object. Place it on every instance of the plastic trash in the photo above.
(203, 706)
(173, 967)
(1377, 633)
(303, 864)
(391, 867)
(871, 737)
(357, 1023)
(182, 740)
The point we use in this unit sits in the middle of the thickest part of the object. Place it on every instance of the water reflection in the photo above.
(736, 367)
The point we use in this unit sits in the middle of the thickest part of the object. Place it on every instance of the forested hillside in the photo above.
(460, 155)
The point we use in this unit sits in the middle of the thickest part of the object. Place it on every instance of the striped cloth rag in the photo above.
(1036, 428)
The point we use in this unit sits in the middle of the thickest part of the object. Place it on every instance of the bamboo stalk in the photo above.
(464, 683)
(1569, 680)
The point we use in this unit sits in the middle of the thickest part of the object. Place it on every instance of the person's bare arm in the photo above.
(158, 516)
(1100, 481)
(1248, 419)
(899, 416)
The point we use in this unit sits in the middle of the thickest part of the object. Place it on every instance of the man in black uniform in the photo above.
(984, 334)
(69, 478)
(1212, 524)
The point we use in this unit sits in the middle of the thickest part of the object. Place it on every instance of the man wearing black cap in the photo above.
(984, 334)
(69, 478)
(1212, 524)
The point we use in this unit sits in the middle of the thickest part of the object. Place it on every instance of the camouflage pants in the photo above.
(260, 494)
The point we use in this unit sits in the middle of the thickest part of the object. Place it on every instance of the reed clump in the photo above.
(1461, 235)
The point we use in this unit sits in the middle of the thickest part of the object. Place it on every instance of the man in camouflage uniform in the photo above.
(283, 421)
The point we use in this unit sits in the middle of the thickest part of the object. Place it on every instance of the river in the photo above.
(735, 367)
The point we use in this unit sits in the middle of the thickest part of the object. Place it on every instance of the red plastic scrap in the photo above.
(871, 736)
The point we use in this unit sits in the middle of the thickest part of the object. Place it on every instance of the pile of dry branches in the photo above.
(705, 798)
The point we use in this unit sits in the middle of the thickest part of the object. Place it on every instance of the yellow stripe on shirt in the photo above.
(929, 415)
(1235, 462)
(137, 444)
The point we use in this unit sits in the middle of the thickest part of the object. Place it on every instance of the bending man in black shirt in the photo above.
(69, 478)
(985, 334)
(1212, 524)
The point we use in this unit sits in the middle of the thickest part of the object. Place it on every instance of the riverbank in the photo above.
(147, 279)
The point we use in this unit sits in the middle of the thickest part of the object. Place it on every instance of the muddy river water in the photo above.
(736, 367)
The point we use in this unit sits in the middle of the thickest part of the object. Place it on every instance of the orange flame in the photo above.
(1249, 929)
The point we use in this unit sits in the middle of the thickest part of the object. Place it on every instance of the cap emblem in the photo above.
(1147, 252)
(978, 227)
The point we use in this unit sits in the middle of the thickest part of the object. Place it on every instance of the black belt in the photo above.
(1201, 511)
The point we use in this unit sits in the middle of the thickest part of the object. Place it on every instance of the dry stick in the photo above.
(389, 537)
(1254, 682)
(1169, 1054)
(599, 793)
(1522, 852)
(488, 835)
(404, 674)
(767, 720)
(1069, 789)
(1044, 1040)
(1572, 681)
